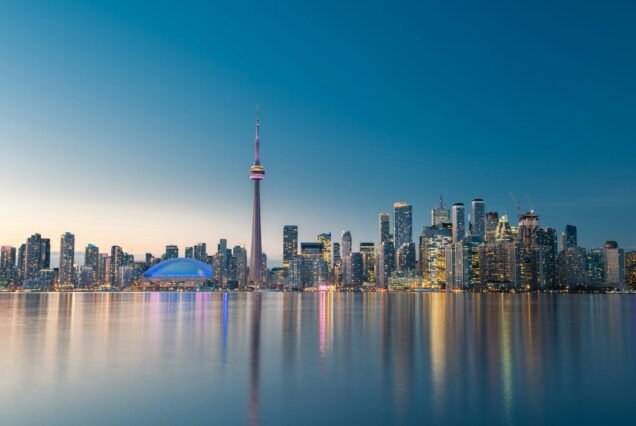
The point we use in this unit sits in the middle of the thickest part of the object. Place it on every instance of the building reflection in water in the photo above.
(253, 412)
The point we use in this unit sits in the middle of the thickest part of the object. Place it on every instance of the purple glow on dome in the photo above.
(180, 268)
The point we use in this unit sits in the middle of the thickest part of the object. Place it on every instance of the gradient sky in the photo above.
(132, 123)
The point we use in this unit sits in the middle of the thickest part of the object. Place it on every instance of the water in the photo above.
(316, 359)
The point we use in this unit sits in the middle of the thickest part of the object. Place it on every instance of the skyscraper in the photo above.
(528, 255)
(67, 259)
(569, 237)
(440, 214)
(201, 252)
(172, 252)
(479, 218)
(325, 239)
(385, 264)
(630, 269)
(614, 265)
(46, 253)
(459, 222)
(7, 262)
(345, 257)
(402, 224)
(116, 260)
(492, 218)
(384, 228)
(33, 257)
(91, 260)
(290, 243)
(368, 258)
(257, 174)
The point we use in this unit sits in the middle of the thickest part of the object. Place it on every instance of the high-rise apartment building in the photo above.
(172, 252)
(290, 243)
(384, 228)
(459, 222)
(402, 224)
(67, 260)
(325, 239)
(479, 218)
(614, 265)
(492, 218)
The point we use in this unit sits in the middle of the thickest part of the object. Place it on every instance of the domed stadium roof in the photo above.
(180, 268)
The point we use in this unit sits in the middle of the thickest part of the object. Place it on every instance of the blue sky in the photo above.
(132, 123)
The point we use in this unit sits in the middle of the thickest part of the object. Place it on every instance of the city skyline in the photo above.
(112, 147)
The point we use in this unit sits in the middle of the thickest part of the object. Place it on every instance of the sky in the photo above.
(132, 123)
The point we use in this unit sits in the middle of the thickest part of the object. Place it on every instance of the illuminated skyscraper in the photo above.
(33, 257)
(116, 261)
(325, 239)
(459, 222)
(385, 264)
(357, 269)
(290, 243)
(346, 250)
(7, 262)
(492, 218)
(67, 260)
(528, 255)
(314, 268)
(546, 246)
(433, 243)
(384, 228)
(406, 257)
(440, 214)
(91, 260)
(614, 265)
(368, 258)
(479, 218)
(630, 269)
(402, 224)
(595, 267)
(239, 256)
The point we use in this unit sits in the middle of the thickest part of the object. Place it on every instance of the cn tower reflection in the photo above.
(254, 403)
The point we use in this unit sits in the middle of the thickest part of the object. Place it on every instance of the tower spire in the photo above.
(257, 154)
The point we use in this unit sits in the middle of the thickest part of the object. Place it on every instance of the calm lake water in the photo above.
(316, 359)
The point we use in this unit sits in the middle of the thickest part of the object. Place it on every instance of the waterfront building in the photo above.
(440, 215)
(546, 247)
(67, 260)
(406, 257)
(385, 264)
(345, 260)
(84, 277)
(458, 271)
(239, 256)
(7, 263)
(459, 222)
(314, 268)
(290, 243)
(479, 218)
(325, 239)
(368, 258)
(357, 270)
(528, 255)
(614, 265)
(91, 260)
(33, 259)
(116, 260)
(433, 243)
(572, 266)
(630, 269)
(294, 273)
(595, 267)
(402, 224)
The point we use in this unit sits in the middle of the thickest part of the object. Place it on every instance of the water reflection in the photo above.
(269, 358)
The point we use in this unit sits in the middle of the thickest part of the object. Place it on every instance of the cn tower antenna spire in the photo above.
(257, 154)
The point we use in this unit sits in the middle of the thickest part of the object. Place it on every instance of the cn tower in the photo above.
(257, 174)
